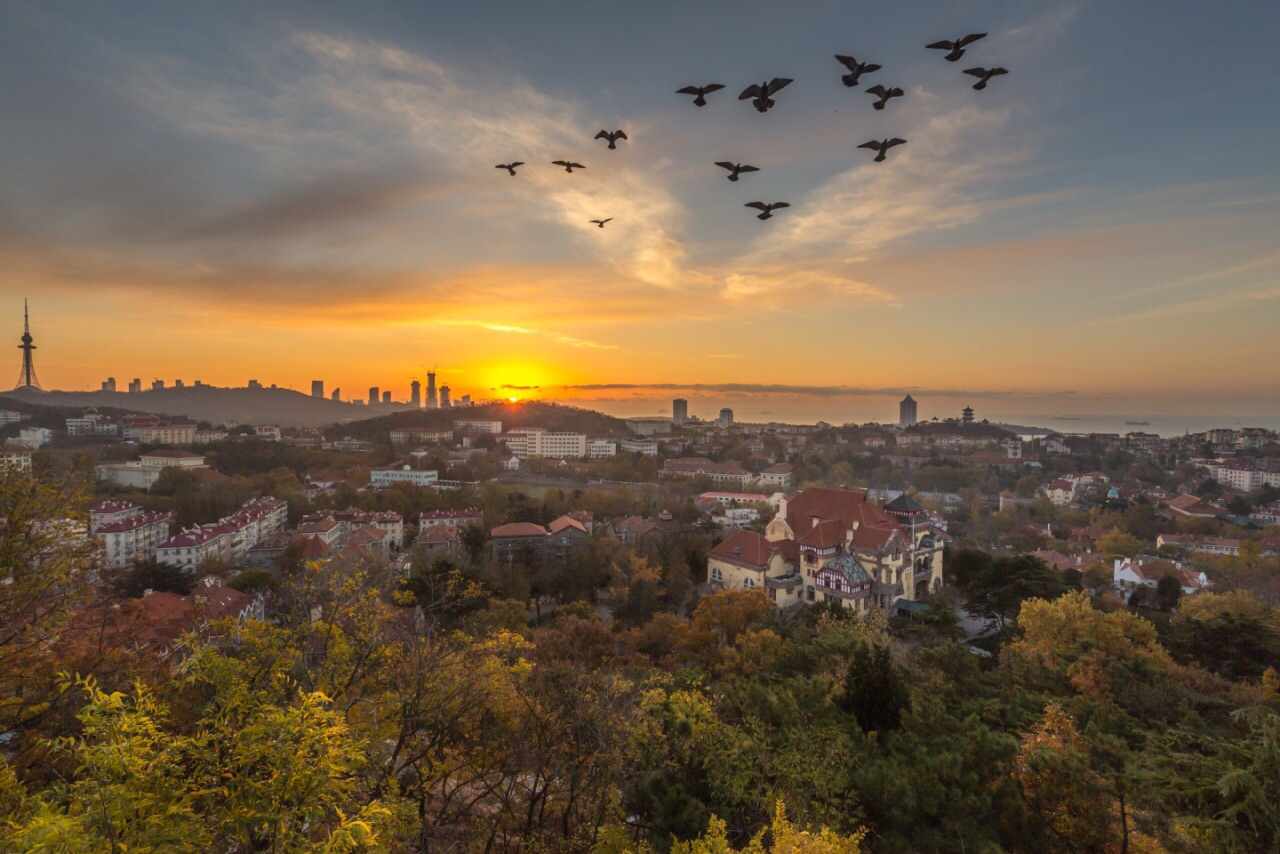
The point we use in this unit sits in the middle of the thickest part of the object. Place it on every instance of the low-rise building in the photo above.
(146, 470)
(777, 476)
(474, 426)
(1130, 573)
(641, 445)
(133, 538)
(34, 438)
(722, 474)
(440, 541)
(599, 449)
(454, 518)
(15, 458)
(381, 478)
(523, 541)
(746, 560)
(410, 436)
(92, 424)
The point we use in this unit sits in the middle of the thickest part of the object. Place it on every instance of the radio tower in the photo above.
(27, 379)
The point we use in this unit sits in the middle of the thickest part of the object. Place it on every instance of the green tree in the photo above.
(875, 693)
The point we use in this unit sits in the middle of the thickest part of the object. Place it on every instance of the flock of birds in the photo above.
(761, 95)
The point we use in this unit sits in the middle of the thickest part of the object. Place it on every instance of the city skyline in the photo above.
(1082, 237)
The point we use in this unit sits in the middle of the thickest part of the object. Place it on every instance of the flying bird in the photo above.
(735, 168)
(612, 137)
(762, 92)
(601, 222)
(568, 165)
(984, 74)
(766, 210)
(701, 91)
(882, 146)
(956, 47)
(885, 95)
(856, 69)
(510, 167)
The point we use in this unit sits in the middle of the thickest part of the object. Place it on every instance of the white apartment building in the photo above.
(646, 446)
(536, 442)
(598, 449)
(165, 434)
(8, 416)
(230, 538)
(494, 427)
(145, 471)
(649, 426)
(34, 437)
(133, 538)
(15, 457)
(384, 477)
(426, 437)
(270, 432)
(1242, 475)
(92, 424)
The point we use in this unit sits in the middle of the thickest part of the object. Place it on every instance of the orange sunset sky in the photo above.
(307, 192)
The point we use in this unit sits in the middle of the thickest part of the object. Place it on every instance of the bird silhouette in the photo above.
(701, 91)
(882, 147)
(956, 47)
(856, 69)
(885, 95)
(510, 167)
(984, 74)
(762, 92)
(612, 137)
(601, 222)
(568, 165)
(735, 168)
(766, 210)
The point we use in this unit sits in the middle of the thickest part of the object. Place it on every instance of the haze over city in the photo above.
(307, 190)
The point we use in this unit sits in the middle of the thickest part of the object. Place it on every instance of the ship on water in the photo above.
(1137, 423)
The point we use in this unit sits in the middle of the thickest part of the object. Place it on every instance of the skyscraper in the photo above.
(415, 394)
(386, 397)
(109, 384)
(726, 417)
(907, 412)
(679, 411)
(431, 390)
(27, 379)
(135, 386)
(444, 396)
(337, 395)
(373, 395)
(317, 388)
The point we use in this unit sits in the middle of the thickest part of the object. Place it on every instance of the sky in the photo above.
(292, 191)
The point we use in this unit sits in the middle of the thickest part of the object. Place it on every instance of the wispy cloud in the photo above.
(1214, 304)
(820, 391)
(570, 340)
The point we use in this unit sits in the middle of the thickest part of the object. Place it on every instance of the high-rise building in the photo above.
(181, 384)
(444, 397)
(317, 388)
(465, 400)
(373, 395)
(415, 394)
(109, 384)
(252, 384)
(431, 390)
(27, 379)
(337, 394)
(679, 411)
(157, 384)
(966, 415)
(907, 412)
(135, 386)
(726, 417)
(386, 397)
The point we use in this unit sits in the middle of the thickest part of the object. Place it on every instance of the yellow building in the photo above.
(748, 561)
(894, 547)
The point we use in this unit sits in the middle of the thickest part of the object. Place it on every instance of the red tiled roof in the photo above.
(746, 547)
(518, 529)
(563, 522)
(439, 534)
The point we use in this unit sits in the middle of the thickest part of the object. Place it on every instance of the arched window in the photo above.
(716, 575)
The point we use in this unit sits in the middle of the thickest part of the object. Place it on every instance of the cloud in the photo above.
(509, 387)
(571, 340)
(1215, 304)
(819, 391)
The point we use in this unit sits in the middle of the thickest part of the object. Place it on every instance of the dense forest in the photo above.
(370, 711)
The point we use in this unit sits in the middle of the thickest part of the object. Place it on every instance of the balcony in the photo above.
(890, 590)
(783, 582)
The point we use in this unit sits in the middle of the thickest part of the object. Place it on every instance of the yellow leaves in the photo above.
(785, 838)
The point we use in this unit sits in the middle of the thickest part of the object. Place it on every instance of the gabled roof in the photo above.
(745, 547)
(518, 529)
(558, 525)
(848, 566)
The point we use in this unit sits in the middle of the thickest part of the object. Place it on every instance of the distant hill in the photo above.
(551, 416)
(280, 406)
